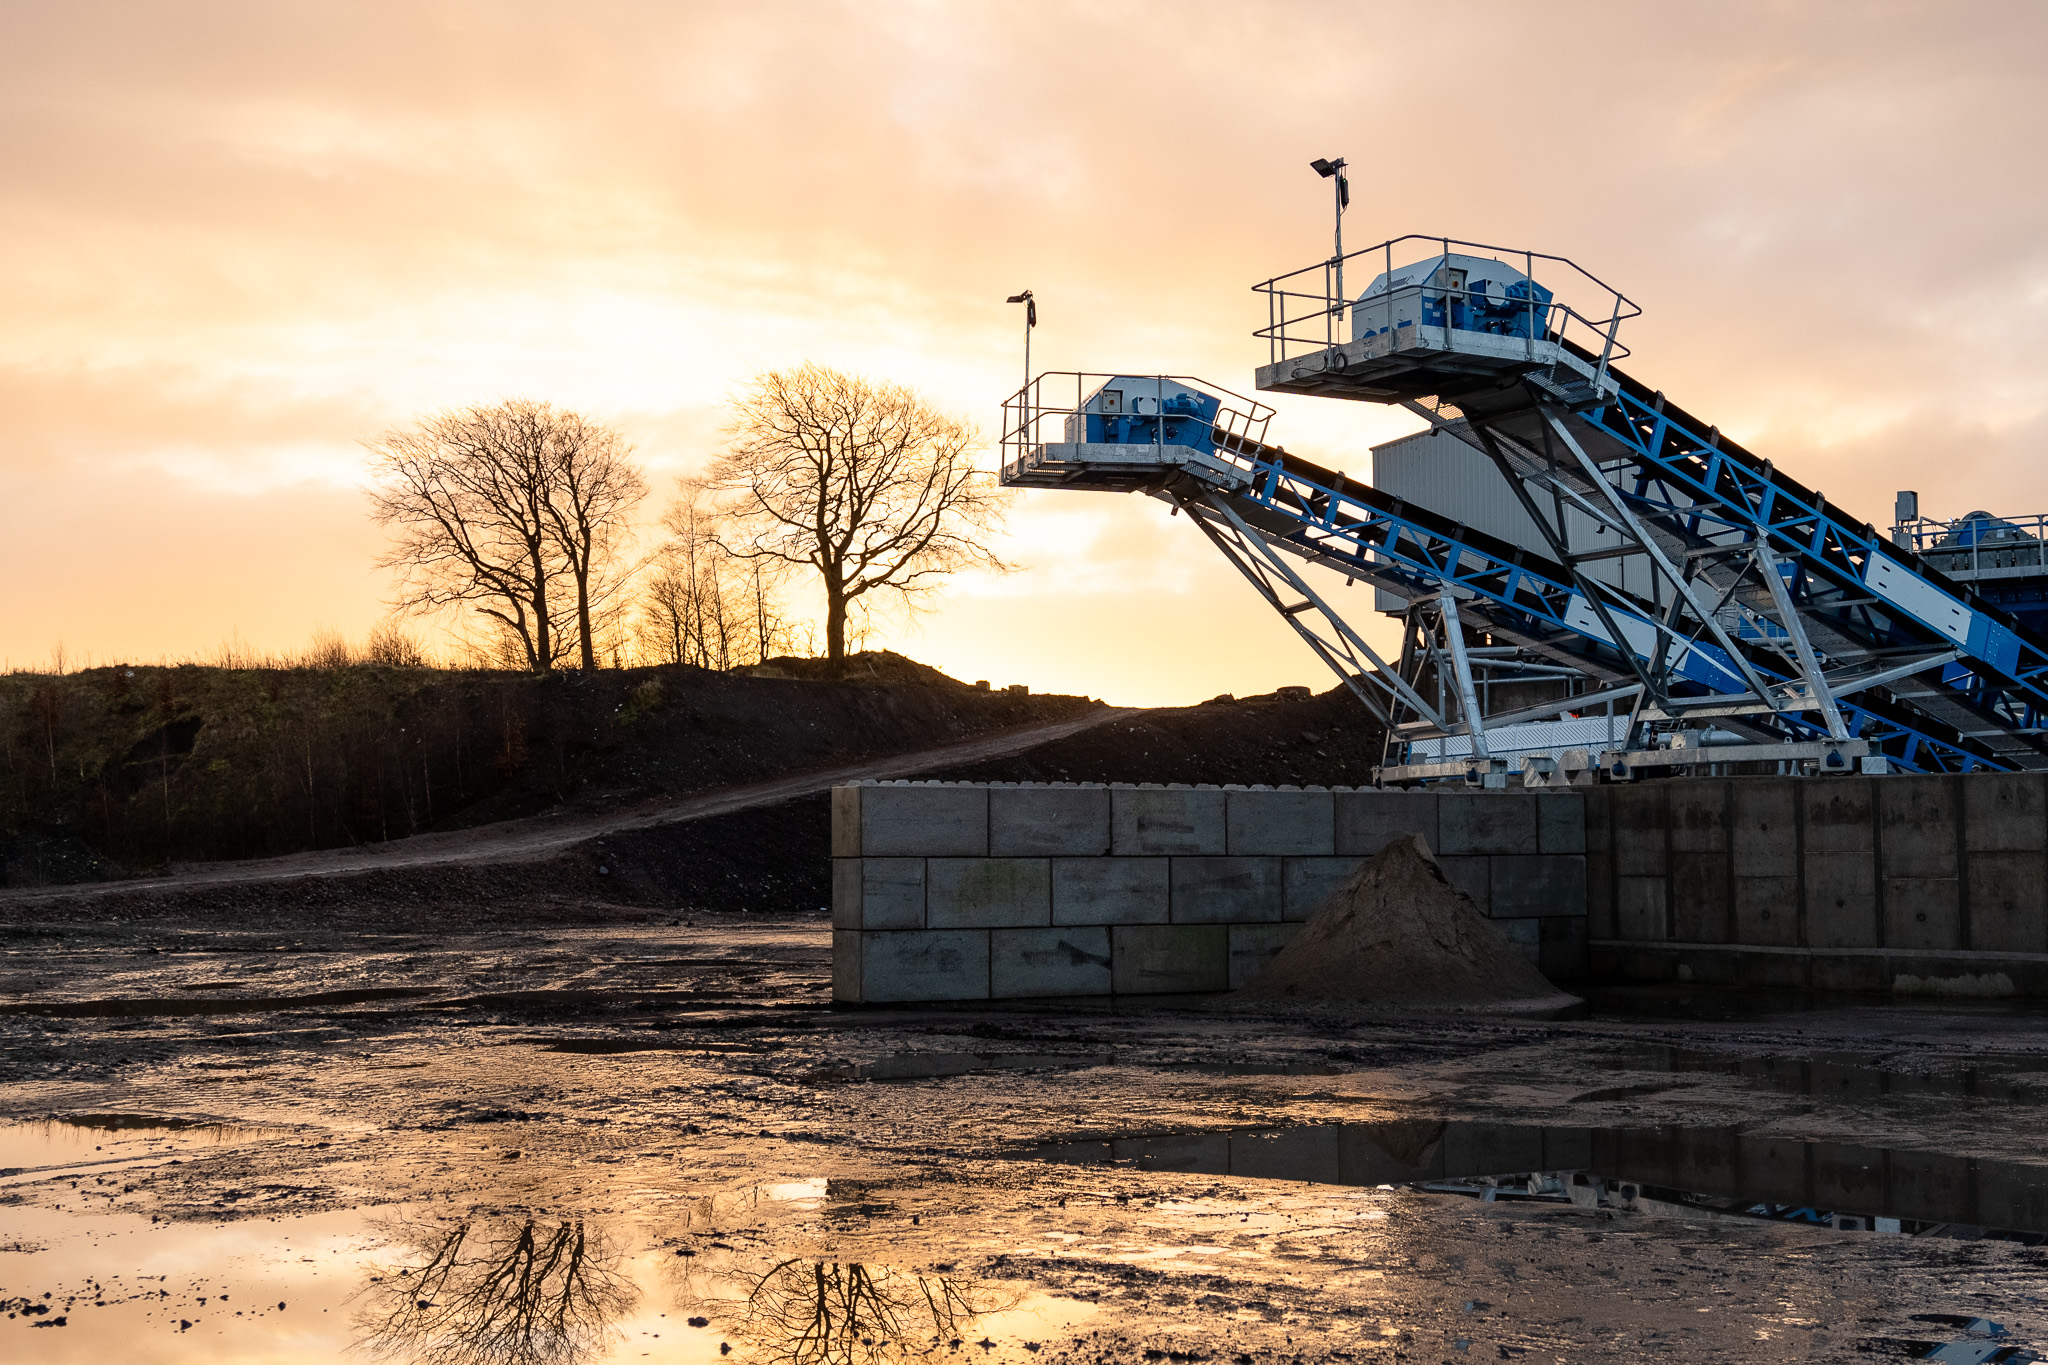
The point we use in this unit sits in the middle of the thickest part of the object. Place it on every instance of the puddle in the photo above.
(415, 1283)
(1251, 1068)
(925, 1066)
(1743, 1004)
(1685, 1171)
(1847, 1075)
(93, 1146)
(149, 1006)
(606, 1047)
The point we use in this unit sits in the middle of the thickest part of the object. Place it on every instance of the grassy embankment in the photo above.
(120, 770)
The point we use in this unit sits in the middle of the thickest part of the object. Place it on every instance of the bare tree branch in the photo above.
(517, 511)
(866, 484)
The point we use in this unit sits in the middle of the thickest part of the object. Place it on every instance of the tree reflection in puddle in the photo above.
(805, 1312)
(508, 1291)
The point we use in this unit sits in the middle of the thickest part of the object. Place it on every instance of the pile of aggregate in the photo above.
(1398, 934)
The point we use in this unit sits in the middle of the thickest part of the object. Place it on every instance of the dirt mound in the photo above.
(877, 667)
(1398, 934)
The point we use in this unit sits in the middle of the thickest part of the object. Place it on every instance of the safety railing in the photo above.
(1308, 309)
(1049, 411)
(1977, 544)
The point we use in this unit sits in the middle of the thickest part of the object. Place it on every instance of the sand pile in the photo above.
(1399, 934)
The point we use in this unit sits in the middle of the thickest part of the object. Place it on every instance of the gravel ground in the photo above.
(680, 1089)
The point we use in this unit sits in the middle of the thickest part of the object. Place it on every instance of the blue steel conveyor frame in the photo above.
(1754, 604)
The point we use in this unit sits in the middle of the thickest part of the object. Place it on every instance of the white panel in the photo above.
(1909, 592)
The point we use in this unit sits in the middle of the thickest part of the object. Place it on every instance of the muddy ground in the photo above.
(682, 1109)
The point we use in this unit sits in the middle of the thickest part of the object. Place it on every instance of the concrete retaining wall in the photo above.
(1904, 884)
(969, 892)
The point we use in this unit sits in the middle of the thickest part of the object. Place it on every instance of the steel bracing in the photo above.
(1681, 574)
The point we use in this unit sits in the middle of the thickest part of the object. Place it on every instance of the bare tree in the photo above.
(510, 1291)
(698, 604)
(864, 483)
(594, 491)
(517, 511)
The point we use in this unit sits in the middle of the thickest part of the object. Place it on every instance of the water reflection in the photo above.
(806, 1312)
(508, 1291)
(1847, 1075)
(1668, 1168)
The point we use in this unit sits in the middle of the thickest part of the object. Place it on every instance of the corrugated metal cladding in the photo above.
(1436, 470)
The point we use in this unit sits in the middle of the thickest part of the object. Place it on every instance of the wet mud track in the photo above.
(656, 1143)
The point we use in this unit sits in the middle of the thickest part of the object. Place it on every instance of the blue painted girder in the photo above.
(1325, 516)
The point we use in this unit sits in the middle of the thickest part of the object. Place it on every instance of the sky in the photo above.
(239, 240)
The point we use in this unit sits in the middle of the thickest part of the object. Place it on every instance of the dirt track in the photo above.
(515, 841)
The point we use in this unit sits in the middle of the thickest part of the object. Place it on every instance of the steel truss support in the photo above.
(1380, 688)
(1569, 482)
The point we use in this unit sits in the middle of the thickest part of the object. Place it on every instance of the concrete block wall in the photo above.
(1904, 883)
(975, 892)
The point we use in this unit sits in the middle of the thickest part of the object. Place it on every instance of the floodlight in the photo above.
(1323, 168)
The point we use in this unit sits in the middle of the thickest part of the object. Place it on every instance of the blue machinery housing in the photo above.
(1772, 618)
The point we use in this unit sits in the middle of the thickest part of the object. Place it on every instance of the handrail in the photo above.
(1322, 307)
(1238, 418)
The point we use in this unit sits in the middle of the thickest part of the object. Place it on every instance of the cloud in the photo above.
(237, 239)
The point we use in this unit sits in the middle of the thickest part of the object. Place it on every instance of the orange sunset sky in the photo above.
(238, 239)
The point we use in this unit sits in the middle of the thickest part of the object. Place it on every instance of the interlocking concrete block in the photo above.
(1931, 1186)
(1641, 829)
(1306, 1153)
(1305, 883)
(884, 893)
(924, 964)
(2003, 812)
(933, 822)
(1600, 895)
(1563, 952)
(1492, 1149)
(1764, 834)
(1392, 1153)
(1170, 820)
(1367, 822)
(1916, 820)
(1841, 897)
(1031, 963)
(1110, 891)
(1473, 876)
(2016, 1190)
(1639, 909)
(1169, 959)
(1054, 821)
(1598, 812)
(1271, 823)
(1700, 897)
(1767, 911)
(1252, 946)
(1525, 934)
(1561, 822)
(1191, 1154)
(988, 893)
(1225, 890)
(1698, 811)
(846, 888)
(2006, 909)
(1469, 822)
(1774, 1168)
(846, 822)
(1846, 1177)
(1840, 815)
(1923, 912)
(1536, 884)
(846, 975)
